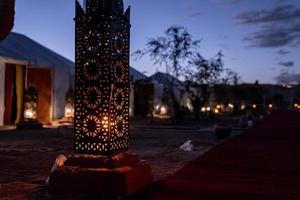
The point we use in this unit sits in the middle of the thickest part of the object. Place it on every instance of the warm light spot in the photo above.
(28, 114)
(254, 106)
(243, 107)
(230, 105)
(287, 86)
(218, 106)
(189, 106)
(216, 111)
(157, 107)
(69, 111)
(105, 122)
(270, 106)
(208, 109)
(203, 109)
(163, 110)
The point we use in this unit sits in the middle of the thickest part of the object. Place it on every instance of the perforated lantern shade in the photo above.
(101, 78)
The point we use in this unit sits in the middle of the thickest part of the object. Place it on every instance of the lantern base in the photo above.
(118, 175)
(31, 124)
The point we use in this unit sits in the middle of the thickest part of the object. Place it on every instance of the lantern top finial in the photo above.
(107, 6)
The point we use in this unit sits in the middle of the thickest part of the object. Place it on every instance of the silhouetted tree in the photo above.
(202, 75)
(173, 50)
(230, 77)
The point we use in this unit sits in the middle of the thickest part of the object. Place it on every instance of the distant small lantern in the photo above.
(102, 78)
(69, 107)
(231, 106)
(69, 111)
(163, 110)
(243, 107)
(30, 104)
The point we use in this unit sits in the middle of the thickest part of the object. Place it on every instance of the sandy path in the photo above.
(26, 157)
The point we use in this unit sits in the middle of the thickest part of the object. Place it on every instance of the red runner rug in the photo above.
(261, 164)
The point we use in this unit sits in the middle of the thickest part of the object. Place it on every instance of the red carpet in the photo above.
(262, 164)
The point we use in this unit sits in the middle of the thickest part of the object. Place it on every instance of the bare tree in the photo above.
(230, 77)
(173, 50)
(201, 76)
(205, 72)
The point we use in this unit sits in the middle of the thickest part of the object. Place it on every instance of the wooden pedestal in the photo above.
(119, 175)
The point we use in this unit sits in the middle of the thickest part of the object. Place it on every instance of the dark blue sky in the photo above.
(259, 38)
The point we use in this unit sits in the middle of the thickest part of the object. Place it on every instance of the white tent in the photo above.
(20, 50)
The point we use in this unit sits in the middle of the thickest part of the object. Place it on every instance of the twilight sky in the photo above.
(259, 38)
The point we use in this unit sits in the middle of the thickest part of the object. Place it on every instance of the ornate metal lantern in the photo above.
(30, 104)
(102, 78)
(101, 108)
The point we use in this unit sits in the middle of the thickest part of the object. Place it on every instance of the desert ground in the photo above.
(26, 156)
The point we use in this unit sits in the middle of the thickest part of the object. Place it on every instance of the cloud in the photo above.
(287, 64)
(286, 77)
(282, 52)
(226, 2)
(278, 27)
(275, 36)
(278, 14)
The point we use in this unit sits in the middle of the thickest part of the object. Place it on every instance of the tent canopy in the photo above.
(19, 47)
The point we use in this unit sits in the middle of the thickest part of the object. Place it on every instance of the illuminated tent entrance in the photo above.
(27, 68)
(18, 79)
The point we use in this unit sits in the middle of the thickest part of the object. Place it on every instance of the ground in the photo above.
(26, 157)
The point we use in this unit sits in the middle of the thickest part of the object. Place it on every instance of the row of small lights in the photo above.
(230, 106)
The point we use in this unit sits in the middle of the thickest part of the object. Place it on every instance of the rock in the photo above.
(222, 131)
(187, 146)
(59, 162)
